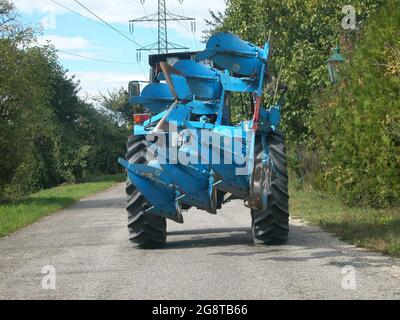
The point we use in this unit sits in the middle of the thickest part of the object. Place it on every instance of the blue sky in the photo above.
(75, 34)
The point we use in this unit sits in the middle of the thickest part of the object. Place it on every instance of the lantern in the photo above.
(333, 65)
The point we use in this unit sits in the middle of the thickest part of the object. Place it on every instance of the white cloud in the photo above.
(94, 82)
(122, 11)
(29, 6)
(64, 43)
(79, 47)
(78, 55)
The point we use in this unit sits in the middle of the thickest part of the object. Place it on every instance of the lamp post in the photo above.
(333, 65)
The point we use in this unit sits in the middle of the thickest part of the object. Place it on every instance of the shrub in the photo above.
(357, 123)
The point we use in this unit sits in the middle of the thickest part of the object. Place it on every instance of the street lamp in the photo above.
(333, 65)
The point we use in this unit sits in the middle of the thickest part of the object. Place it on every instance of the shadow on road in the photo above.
(101, 203)
(208, 231)
(218, 237)
(305, 244)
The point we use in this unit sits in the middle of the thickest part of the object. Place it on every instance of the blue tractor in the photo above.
(186, 151)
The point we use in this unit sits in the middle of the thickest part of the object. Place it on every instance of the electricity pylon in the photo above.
(162, 17)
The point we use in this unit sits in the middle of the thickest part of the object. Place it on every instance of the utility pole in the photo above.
(162, 17)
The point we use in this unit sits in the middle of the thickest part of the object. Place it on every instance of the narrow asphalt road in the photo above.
(209, 257)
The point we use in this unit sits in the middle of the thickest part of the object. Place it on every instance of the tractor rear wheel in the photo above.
(145, 230)
(271, 225)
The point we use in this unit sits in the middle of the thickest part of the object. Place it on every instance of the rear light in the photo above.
(140, 118)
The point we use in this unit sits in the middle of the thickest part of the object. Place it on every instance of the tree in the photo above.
(303, 33)
(48, 134)
(357, 123)
(117, 104)
(22, 106)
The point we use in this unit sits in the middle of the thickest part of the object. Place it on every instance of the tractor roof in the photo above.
(155, 59)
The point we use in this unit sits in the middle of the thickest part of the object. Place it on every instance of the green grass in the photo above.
(378, 230)
(16, 215)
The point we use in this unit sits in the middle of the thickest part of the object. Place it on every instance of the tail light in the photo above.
(140, 118)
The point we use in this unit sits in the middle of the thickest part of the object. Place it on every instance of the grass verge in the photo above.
(378, 230)
(16, 215)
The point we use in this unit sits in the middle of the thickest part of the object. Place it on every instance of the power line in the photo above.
(141, 2)
(112, 27)
(187, 41)
(79, 14)
(162, 17)
(95, 59)
(104, 23)
(193, 27)
(108, 24)
(86, 57)
(145, 12)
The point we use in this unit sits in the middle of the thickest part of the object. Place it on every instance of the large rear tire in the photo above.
(145, 230)
(271, 225)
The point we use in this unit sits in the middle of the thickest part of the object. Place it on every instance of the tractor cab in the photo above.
(155, 70)
(135, 87)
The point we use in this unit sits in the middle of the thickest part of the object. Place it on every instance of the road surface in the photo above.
(209, 257)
